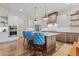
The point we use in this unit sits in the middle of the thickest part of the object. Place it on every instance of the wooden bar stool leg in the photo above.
(24, 43)
(34, 50)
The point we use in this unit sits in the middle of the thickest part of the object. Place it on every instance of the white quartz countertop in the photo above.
(72, 30)
(62, 29)
(58, 29)
(50, 34)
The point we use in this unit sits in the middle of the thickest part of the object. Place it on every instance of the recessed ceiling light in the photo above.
(67, 3)
(20, 9)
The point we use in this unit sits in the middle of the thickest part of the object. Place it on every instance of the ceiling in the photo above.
(28, 8)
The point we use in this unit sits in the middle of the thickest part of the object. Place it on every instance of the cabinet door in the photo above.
(13, 20)
(60, 37)
(49, 42)
(70, 37)
(76, 37)
(53, 42)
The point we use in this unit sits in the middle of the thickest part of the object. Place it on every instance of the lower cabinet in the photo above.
(50, 43)
(70, 37)
(61, 37)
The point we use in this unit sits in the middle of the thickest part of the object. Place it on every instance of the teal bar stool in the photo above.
(29, 36)
(39, 42)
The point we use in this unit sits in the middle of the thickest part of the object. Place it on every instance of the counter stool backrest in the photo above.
(28, 35)
(39, 38)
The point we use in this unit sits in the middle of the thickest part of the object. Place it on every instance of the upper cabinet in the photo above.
(8, 20)
(75, 19)
(52, 17)
(3, 21)
(13, 20)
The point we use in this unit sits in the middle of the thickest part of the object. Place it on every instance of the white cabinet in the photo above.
(12, 20)
(3, 21)
(4, 36)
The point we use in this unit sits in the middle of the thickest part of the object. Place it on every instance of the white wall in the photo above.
(22, 24)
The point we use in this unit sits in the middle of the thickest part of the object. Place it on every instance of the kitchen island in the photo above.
(68, 34)
(50, 41)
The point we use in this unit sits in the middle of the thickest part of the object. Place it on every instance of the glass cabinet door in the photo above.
(3, 21)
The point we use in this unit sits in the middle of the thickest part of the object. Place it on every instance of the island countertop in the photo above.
(58, 29)
(50, 34)
(62, 29)
(47, 33)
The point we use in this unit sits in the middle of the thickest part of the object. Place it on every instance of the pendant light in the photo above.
(46, 16)
(35, 15)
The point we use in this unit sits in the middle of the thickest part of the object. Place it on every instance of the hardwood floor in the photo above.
(12, 48)
(16, 49)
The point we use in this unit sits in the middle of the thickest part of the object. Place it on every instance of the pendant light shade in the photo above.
(46, 16)
(35, 20)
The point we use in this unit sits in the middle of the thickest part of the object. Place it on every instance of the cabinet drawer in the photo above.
(50, 43)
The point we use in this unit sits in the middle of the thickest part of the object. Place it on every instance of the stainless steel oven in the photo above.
(12, 30)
